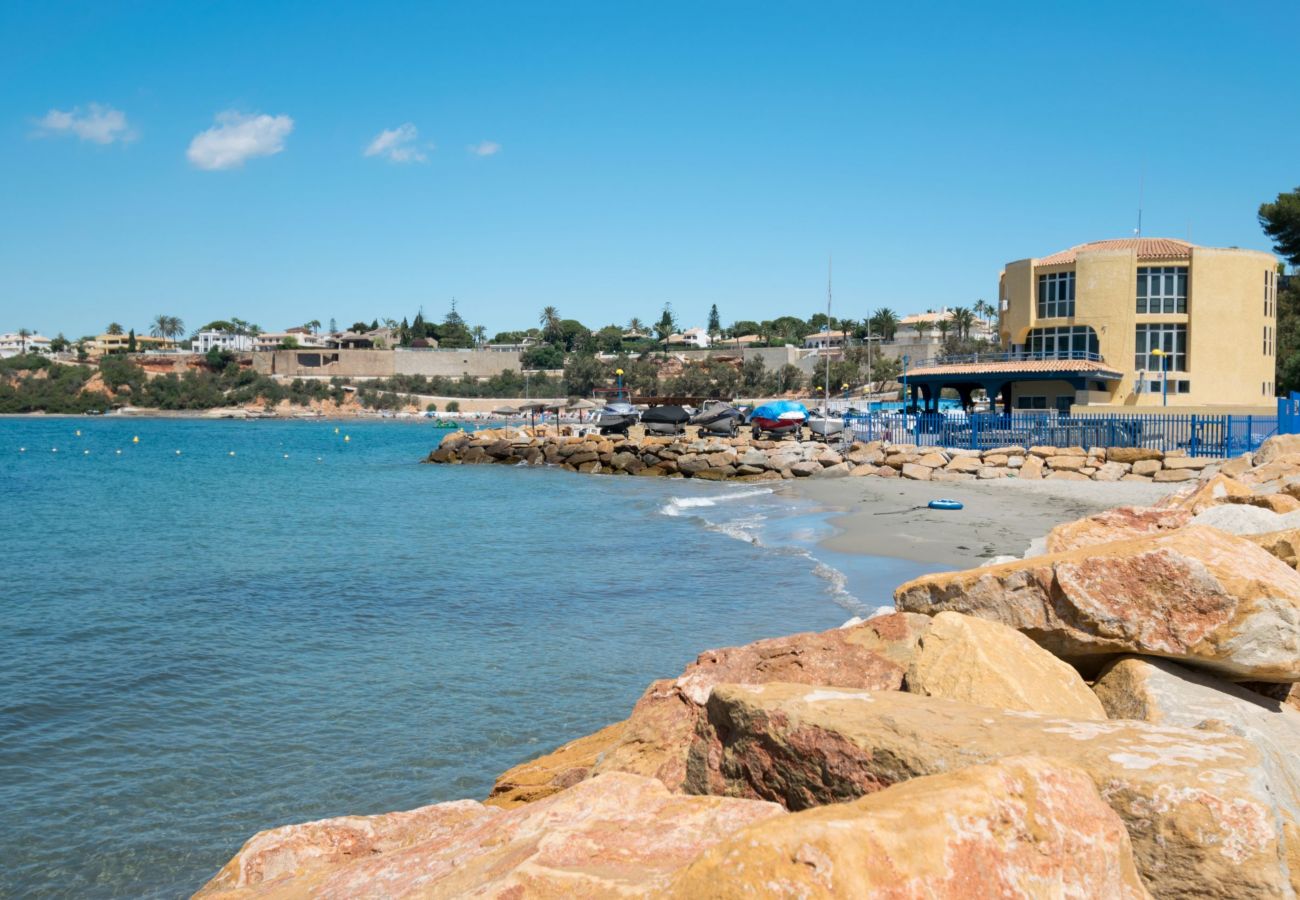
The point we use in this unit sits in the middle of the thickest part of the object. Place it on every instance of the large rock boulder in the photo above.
(1212, 492)
(657, 738)
(1120, 524)
(617, 835)
(1021, 827)
(988, 664)
(1196, 803)
(553, 772)
(1165, 693)
(1276, 447)
(1194, 594)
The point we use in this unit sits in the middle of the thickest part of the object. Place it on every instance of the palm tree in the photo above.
(962, 320)
(314, 325)
(666, 325)
(636, 326)
(169, 327)
(885, 323)
(479, 333)
(550, 322)
(114, 328)
(23, 335)
(944, 326)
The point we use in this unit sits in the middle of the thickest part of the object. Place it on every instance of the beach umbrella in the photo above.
(505, 411)
(533, 407)
(582, 404)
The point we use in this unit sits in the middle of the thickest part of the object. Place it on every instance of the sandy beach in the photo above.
(880, 516)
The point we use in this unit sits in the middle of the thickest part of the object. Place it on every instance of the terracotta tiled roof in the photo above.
(1147, 248)
(1016, 367)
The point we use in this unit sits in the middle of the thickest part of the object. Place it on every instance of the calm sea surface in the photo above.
(196, 646)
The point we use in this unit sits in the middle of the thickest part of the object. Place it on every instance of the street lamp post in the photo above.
(1164, 375)
(906, 359)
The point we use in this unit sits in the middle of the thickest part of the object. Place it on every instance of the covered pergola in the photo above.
(996, 376)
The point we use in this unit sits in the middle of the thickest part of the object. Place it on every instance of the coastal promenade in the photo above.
(746, 460)
(1114, 714)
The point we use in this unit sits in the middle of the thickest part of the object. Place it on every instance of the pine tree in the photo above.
(715, 324)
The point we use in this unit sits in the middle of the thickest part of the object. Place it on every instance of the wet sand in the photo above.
(880, 516)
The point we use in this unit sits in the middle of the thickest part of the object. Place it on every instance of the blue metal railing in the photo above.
(1198, 435)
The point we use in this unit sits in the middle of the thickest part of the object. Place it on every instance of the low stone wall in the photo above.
(743, 459)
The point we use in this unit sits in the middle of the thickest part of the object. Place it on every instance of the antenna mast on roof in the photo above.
(1142, 174)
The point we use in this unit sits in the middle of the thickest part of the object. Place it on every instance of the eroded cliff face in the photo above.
(952, 749)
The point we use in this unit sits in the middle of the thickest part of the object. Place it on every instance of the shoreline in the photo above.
(877, 517)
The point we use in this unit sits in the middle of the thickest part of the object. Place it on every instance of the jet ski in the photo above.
(615, 418)
(665, 420)
(779, 418)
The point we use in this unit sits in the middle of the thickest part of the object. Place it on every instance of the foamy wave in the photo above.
(745, 529)
(675, 505)
(837, 585)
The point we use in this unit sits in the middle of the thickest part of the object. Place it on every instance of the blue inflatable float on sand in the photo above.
(944, 504)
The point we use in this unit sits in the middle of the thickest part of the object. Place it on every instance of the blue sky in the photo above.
(608, 157)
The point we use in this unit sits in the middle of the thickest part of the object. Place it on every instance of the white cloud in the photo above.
(98, 124)
(237, 137)
(398, 145)
(484, 148)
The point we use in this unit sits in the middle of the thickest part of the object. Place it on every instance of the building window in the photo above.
(1172, 339)
(1065, 342)
(1056, 295)
(1162, 289)
(1270, 346)
(1031, 402)
(1157, 386)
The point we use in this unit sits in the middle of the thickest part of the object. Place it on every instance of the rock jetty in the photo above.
(744, 459)
(1114, 717)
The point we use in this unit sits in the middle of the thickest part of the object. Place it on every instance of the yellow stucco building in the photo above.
(1091, 327)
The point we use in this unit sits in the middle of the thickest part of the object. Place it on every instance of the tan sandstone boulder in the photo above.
(1196, 594)
(1284, 544)
(549, 774)
(988, 664)
(657, 738)
(1209, 493)
(1195, 803)
(1276, 447)
(616, 835)
(1020, 827)
(1120, 524)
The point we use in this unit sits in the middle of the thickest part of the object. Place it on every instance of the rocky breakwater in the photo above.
(743, 459)
(1111, 717)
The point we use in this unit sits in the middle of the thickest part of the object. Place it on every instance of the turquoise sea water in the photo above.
(196, 646)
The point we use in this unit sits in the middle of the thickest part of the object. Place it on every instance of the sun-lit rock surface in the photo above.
(1021, 827)
(1196, 803)
(1195, 594)
(1121, 524)
(988, 664)
(616, 835)
(564, 767)
(1165, 693)
(656, 741)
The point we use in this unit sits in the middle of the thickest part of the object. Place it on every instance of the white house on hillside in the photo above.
(695, 337)
(221, 340)
(14, 344)
(825, 340)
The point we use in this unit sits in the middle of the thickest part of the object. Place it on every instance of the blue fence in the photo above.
(1198, 435)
